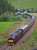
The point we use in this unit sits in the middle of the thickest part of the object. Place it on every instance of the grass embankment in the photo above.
(34, 35)
(4, 26)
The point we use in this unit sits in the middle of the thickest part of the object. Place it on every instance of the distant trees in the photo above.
(5, 6)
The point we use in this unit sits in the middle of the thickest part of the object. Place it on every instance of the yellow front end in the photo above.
(10, 42)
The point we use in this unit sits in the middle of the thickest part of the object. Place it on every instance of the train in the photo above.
(16, 36)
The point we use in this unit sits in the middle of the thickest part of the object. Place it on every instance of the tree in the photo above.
(5, 6)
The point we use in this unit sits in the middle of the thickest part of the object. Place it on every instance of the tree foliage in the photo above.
(5, 6)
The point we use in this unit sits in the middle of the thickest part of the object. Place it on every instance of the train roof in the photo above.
(33, 17)
(24, 27)
(13, 35)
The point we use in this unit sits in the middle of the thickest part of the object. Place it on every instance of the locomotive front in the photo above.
(14, 37)
(11, 42)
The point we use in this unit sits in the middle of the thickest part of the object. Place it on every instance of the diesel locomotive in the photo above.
(16, 36)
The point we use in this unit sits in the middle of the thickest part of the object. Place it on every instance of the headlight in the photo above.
(10, 40)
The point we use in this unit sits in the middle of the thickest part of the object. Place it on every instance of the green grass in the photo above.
(23, 3)
(35, 35)
(34, 38)
(2, 40)
(5, 25)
